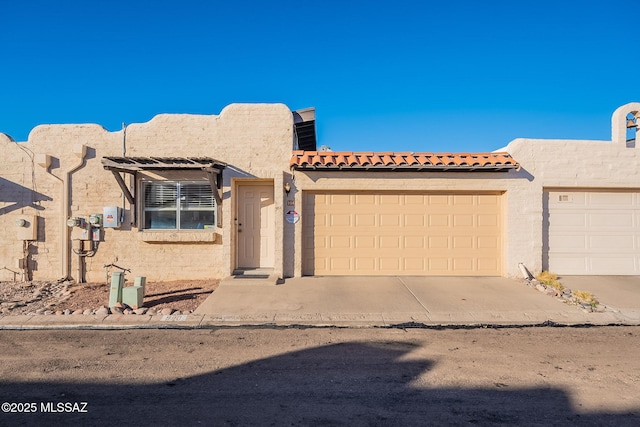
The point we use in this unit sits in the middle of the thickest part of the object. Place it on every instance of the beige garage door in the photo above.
(380, 233)
(593, 232)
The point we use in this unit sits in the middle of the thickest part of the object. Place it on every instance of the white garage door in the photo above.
(593, 232)
(385, 233)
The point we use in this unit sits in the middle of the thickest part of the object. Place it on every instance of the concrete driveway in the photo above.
(616, 292)
(387, 301)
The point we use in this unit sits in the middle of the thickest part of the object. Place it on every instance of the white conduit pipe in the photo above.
(80, 151)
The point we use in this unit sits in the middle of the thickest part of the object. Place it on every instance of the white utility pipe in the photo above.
(80, 151)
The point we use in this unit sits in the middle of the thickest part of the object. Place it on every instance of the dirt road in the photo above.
(528, 376)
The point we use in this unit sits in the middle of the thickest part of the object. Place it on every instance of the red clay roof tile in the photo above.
(329, 160)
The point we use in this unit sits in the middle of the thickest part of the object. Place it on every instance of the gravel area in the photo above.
(51, 298)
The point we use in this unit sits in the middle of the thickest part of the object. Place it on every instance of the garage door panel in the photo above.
(463, 265)
(463, 200)
(389, 199)
(489, 199)
(414, 242)
(463, 220)
(416, 220)
(389, 265)
(414, 264)
(606, 200)
(609, 243)
(414, 199)
(389, 242)
(488, 242)
(608, 263)
(569, 219)
(438, 220)
(438, 242)
(463, 242)
(410, 233)
(365, 220)
(340, 242)
(567, 242)
(340, 264)
(365, 199)
(390, 220)
(593, 232)
(487, 264)
(365, 263)
(485, 220)
(611, 220)
(365, 242)
(339, 199)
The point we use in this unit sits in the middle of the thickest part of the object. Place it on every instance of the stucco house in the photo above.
(204, 196)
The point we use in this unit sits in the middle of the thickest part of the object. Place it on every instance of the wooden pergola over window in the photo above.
(133, 165)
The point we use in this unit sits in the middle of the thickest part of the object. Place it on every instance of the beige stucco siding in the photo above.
(255, 140)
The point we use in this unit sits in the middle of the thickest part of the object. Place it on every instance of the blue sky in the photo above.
(383, 75)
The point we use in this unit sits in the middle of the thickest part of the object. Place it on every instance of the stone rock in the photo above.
(550, 291)
(166, 311)
(116, 310)
(66, 312)
(47, 312)
(40, 311)
(141, 310)
(152, 312)
(541, 288)
(128, 311)
(103, 311)
(77, 312)
(87, 312)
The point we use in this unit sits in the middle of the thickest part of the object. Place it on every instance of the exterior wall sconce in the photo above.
(287, 188)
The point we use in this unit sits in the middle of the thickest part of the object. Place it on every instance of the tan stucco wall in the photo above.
(255, 140)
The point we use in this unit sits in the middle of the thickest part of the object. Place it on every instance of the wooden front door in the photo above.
(256, 226)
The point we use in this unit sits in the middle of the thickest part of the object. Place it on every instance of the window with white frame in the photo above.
(178, 205)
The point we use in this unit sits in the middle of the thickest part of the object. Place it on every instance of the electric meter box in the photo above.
(95, 220)
(27, 226)
(111, 217)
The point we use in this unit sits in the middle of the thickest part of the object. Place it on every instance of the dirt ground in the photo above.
(324, 376)
(29, 297)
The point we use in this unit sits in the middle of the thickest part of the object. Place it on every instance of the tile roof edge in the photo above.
(399, 153)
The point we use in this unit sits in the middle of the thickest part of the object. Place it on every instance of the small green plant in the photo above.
(550, 280)
(586, 297)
